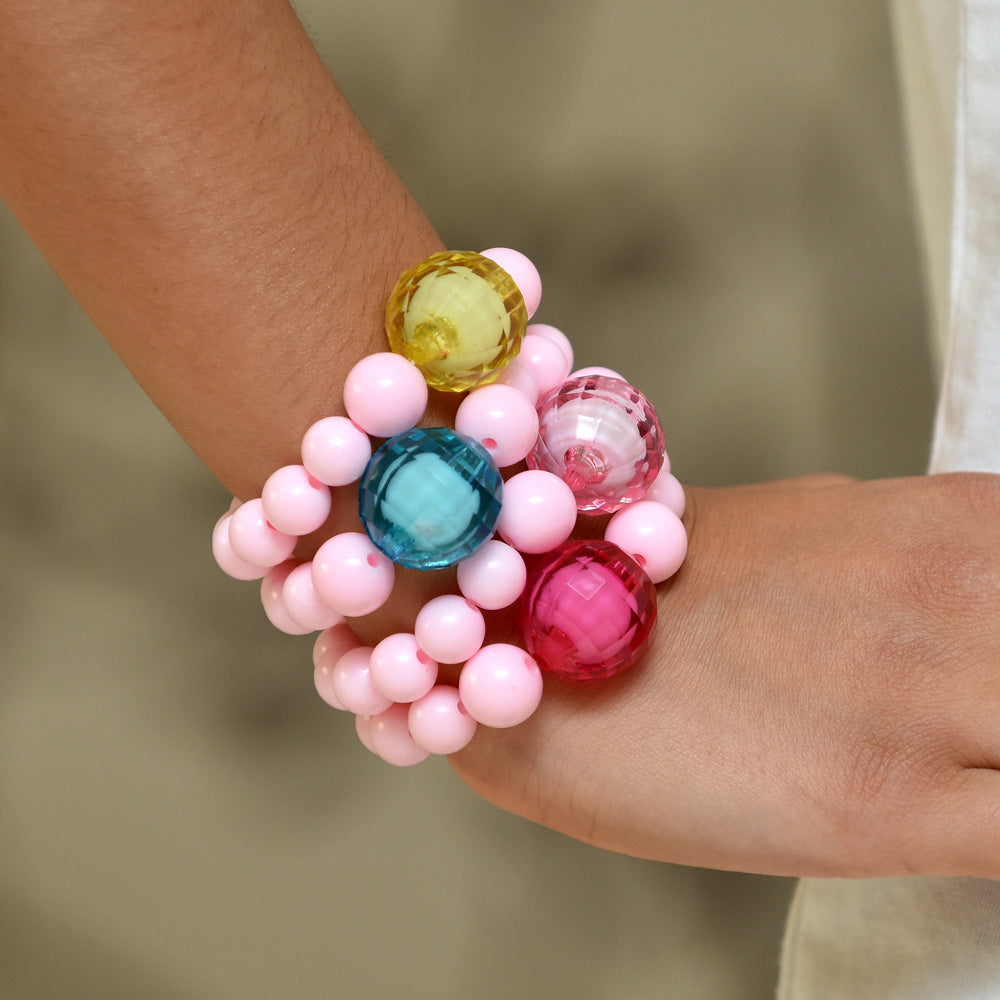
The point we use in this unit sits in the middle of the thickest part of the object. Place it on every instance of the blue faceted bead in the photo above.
(430, 497)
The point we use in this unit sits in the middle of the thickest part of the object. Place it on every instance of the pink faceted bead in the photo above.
(450, 629)
(546, 360)
(522, 378)
(294, 502)
(538, 511)
(493, 577)
(439, 721)
(500, 686)
(229, 562)
(385, 394)
(352, 683)
(502, 420)
(255, 540)
(524, 273)
(401, 670)
(351, 575)
(666, 489)
(302, 602)
(270, 597)
(556, 336)
(329, 647)
(588, 611)
(653, 535)
(391, 739)
(603, 438)
(335, 451)
(597, 370)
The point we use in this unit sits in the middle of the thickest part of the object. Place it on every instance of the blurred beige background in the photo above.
(716, 195)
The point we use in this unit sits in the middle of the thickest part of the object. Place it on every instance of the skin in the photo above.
(822, 694)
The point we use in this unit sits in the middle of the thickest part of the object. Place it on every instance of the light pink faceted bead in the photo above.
(329, 647)
(502, 420)
(274, 607)
(363, 725)
(294, 502)
(352, 683)
(493, 577)
(255, 540)
(229, 562)
(524, 273)
(401, 670)
(500, 686)
(666, 489)
(335, 451)
(546, 360)
(598, 370)
(351, 575)
(556, 336)
(439, 721)
(652, 534)
(391, 739)
(450, 628)
(385, 394)
(521, 377)
(538, 511)
(302, 602)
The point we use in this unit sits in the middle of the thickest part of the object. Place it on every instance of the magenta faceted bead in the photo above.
(588, 611)
(602, 437)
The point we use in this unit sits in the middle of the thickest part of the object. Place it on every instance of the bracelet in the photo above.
(434, 497)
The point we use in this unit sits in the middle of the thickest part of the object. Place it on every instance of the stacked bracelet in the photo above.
(434, 497)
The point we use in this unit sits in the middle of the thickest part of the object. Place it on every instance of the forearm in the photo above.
(196, 179)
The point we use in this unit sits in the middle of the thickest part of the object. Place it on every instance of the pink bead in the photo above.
(391, 739)
(229, 562)
(493, 577)
(385, 394)
(256, 541)
(352, 683)
(336, 451)
(598, 370)
(351, 575)
(329, 647)
(500, 686)
(666, 489)
(546, 360)
(450, 629)
(270, 597)
(521, 377)
(439, 721)
(502, 420)
(302, 602)
(363, 725)
(556, 336)
(603, 438)
(538, 511)
(524, 273)
(401, 670)
(653, 535)
(588, 610)
(294, 502)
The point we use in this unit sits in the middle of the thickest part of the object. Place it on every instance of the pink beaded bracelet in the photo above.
(434, 497)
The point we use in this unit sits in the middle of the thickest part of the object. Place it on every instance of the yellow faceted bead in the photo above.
(458, 317)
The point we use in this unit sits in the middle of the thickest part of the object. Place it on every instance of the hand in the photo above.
(822, 697)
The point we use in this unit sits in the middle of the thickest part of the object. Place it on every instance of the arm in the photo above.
(822, 696)
(195, 178)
